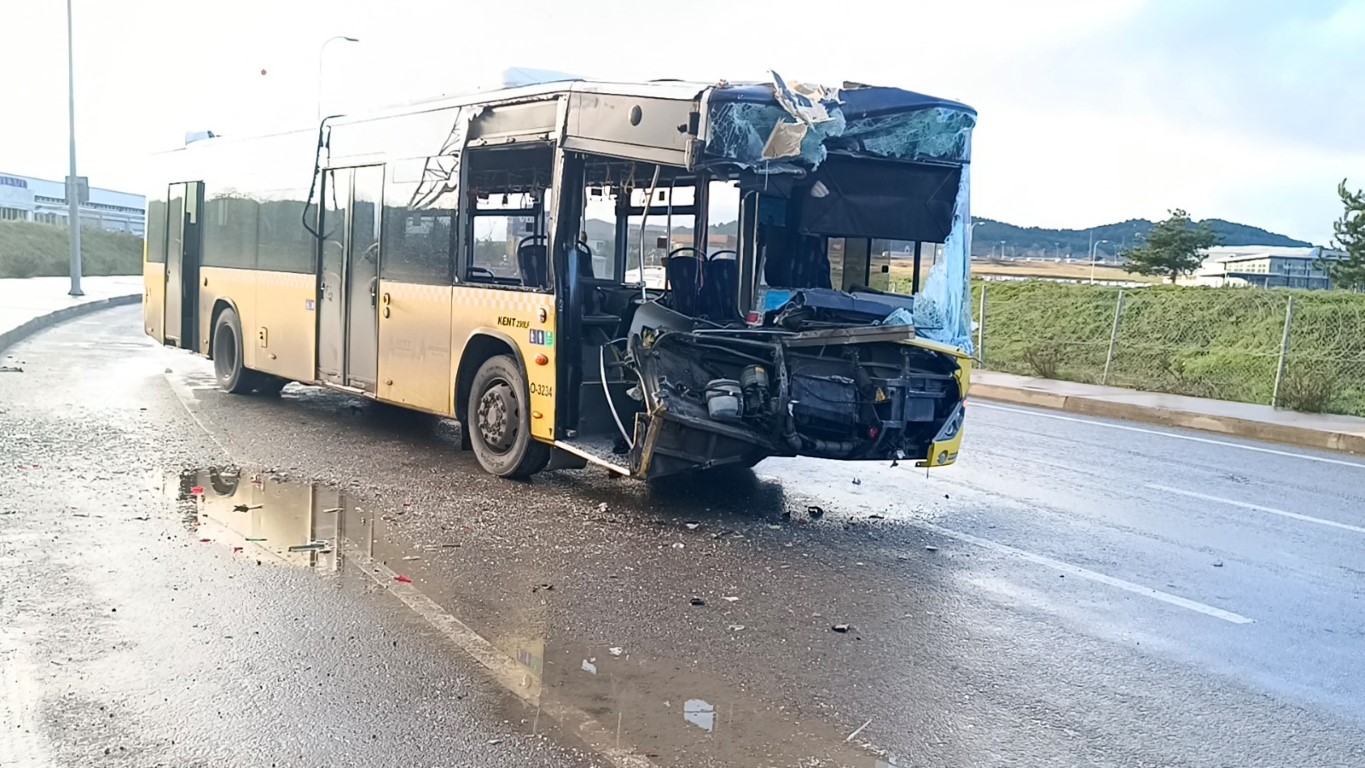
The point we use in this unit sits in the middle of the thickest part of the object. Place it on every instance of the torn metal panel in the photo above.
(942, 309)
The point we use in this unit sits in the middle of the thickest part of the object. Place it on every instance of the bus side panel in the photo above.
(154, 266)
(515, 315)
(153, 299)
(286, 315)
(238, 287)
(414, 346)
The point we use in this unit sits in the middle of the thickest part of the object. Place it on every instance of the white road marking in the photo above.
(1191, 438)
(1259, 508)
(1086, 573)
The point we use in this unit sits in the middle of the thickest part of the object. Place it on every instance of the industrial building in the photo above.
(1263, 266)
(26, 198)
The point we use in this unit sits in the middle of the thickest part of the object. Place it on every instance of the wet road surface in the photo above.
(193, 578)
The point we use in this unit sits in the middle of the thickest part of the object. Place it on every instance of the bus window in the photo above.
(420, 225)
(502, 224)
(722, 216)
(671, 225)
(598, 231)
(509, 192)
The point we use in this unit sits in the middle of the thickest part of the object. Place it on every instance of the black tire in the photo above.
(233, 377)
(500, 421)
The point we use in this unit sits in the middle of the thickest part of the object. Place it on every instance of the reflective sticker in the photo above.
(542, 338)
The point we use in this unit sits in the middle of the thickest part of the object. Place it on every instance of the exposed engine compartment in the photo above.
(807, 382)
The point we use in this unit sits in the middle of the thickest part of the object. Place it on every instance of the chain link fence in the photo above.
(1298, 350)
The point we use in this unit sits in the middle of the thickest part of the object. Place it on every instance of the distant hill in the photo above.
(1039, 241)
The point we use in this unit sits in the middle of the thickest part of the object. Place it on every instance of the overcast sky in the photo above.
(1091, 111)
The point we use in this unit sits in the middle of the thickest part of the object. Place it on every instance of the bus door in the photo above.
(181, 310)
(348, 277)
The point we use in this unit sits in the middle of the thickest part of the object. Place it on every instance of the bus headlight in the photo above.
(951, 426)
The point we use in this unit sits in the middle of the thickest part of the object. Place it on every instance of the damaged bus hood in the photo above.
(817, 387)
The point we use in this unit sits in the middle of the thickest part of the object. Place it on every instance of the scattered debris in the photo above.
(858, 730)
(775, 526)
(815, 512)
(945, 495)
(840, 628)
(698, 601)
(736, 627)
(1218, 564)
(930, 548)
(614, 651)
(236, 549)
(255, 538)
(312, 546)
(875, 516)
(412, 557)
(602, 507)
(197, 490)
(139, 517)
(856, 481)
(205, 541)
(678, 545)
(691, 526)
(402, 579)
(245, 507)
(545, 586)
(11, 369)
(331, 511)
(730, 598)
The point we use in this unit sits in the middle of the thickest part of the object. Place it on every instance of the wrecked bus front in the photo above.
(848, 196)
(772, 270)
(798, 387)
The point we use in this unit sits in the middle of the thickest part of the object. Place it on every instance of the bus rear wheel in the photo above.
(233, 377)
(499, 421)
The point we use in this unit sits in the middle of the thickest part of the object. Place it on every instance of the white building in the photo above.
(25, 198)
(1263, 266)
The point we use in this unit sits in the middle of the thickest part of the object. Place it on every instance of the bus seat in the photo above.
(720, 287)
(533, 261)
(684, 272)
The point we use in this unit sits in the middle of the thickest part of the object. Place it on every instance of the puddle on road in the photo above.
(670, 710)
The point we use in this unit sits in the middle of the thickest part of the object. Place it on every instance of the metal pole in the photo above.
(1284, 352)
(73, 203)
(1113, 339)
(981, 329)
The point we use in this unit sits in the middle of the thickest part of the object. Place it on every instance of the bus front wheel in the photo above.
(499, 421)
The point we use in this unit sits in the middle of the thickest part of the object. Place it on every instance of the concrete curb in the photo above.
(15, 335)
(1168, 417)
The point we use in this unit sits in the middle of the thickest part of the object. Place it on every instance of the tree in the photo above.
(1173, 247)
(1348, 273)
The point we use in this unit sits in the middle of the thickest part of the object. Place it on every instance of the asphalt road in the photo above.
(1073, 592)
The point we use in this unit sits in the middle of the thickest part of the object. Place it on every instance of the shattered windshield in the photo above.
(860, 189)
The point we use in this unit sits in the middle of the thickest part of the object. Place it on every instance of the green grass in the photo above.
(1221, 343)
(33, 250)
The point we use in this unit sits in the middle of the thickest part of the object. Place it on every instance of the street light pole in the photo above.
(1094, 246)
(73, 203)
(321, 50)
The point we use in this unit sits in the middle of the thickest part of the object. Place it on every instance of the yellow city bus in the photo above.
(655, 277)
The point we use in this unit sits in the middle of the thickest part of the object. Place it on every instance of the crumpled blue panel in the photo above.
(937, 133)
(943, 309)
